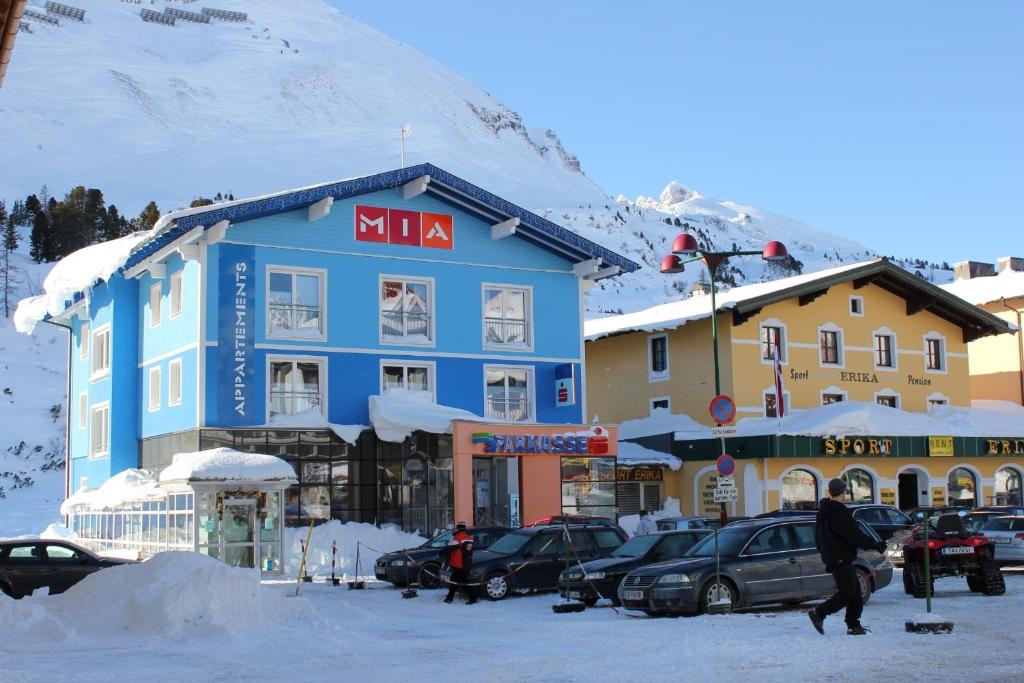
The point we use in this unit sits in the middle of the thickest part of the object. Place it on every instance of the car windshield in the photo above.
(636, 546)
(1004, 524)
(440, 541)
(730, 541)
(510, 544)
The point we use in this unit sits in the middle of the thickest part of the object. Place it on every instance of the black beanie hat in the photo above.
(836, 487)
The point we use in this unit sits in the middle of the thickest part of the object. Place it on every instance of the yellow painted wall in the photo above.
(995, 361)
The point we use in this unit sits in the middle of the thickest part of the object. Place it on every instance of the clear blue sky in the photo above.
(895, 123)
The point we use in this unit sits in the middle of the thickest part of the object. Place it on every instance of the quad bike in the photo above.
(952, 551)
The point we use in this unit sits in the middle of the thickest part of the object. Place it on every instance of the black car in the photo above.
(533, 557)
(762, 561)
(30, 564)
(778, 514)
(597, 579)
(1011, 510)
(422, 564)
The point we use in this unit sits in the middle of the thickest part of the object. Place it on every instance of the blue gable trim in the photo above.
(532, 227)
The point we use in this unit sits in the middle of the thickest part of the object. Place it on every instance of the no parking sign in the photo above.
(722, 409)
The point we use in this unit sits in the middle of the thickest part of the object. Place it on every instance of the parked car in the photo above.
(533, 557)
(1007, 536)
(559, 520)
(422, 564)
(890, 523)
(29, 564)
(777, 514)
(1011, 510)
(919, 513)
(600, 578)
(686, 522)
(767, 560)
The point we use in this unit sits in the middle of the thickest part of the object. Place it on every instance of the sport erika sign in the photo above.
(398, 226)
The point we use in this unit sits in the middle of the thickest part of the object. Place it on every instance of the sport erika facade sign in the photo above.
(399, 226)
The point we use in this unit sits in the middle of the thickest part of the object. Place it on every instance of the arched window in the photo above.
(1008, 487)
(799, 490)
(861, 485)
(962, 487)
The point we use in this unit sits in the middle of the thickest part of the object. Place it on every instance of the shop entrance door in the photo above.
(238, 533)
(495, 491)
(909, 496)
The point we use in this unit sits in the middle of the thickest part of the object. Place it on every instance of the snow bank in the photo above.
(314, 419)
(662, 421)
(74, 273)
(374, 541)
(634, 454)
(227, 464)
(174, 594)
(397, 413)
(124, 487)
(982, 290)
(669, 509)
(58, 532)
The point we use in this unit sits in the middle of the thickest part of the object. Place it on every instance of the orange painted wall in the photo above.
(540, 481)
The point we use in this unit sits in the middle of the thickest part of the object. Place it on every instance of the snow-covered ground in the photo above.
(183, 616)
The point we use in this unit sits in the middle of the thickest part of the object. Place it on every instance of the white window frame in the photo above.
(528, 289)
(652, 375)
(531, 378)
(832, 390)
(894, 352)
(655, 399)
(944, 357)
(387, 340)
(935, 398)
(889, 393)
(783, 341)
(176, 301)
(156, 290)
(787, 407)
(320, 360)
(83, 341)
(82, 483)
(172, 399)
(860, 301)
(320, 273)
(155, 375)
(840, 351)
(83, 410)
(103, 372)
(99, 407)
(430, 366)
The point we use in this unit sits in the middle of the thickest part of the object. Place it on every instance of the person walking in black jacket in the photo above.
(838, 538)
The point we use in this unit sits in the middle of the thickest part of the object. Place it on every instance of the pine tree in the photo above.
(40, 237)
(44, 200)
(201, 201)
(3, 212)
(148, 218)
(94, 215)
(10, 234)
(32, 207)
(114, 225)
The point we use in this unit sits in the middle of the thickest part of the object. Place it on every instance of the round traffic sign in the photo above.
(726, 465)
(722, 409)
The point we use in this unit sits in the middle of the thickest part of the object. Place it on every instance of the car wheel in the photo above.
(991, 577)
(652, 613)
(589, 602)
(497, 586)
(713, 590)
(429, 576)
(864, 581)
(7, 590)
(915, 572)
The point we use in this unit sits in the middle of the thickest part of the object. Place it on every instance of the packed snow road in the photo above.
(375, 635)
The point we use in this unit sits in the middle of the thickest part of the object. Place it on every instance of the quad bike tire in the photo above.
(990, 578)
(913, 573)
(975, 582)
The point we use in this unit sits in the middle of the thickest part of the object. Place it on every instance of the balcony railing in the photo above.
(294, 318)
(508, 409)
(506, 331)
(405, 324)
(293, 402)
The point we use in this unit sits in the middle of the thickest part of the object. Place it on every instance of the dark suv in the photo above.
(762, 561)
(533, 557)
(600, 578)
(28, 564)
(422, 564)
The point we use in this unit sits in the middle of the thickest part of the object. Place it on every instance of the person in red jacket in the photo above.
(460, 557)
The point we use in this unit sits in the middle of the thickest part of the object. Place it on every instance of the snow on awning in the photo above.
(633, 454)
(314, 419)
(227, 464)
(129, 486)
(397, 413)
(661, 421)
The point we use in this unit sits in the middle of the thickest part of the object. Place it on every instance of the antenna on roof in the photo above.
(406, 132)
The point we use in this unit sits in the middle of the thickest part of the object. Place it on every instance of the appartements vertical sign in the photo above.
(236, 350)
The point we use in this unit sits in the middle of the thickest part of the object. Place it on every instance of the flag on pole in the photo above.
(780, 406)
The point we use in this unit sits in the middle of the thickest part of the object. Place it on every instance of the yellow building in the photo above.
(996, 363)
(870, 333)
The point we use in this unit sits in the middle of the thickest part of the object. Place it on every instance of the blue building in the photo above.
(255, 323)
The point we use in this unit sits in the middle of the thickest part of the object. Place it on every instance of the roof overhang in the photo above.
(10, 19)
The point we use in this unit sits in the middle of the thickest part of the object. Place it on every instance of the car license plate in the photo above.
(1002, 540)
(633, 595)
(958, 550)
(574, 595)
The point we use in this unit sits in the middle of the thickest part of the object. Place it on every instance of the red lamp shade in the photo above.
(671, 264)
(685, 244)
(775, 251)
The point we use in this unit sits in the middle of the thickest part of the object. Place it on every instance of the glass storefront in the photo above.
(962, 486)
(799, 490)
(1008, 487)
(588, 486)
(860, 486)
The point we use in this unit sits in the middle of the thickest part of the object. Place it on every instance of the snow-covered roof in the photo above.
(865, 417)
(982, 290)
(397, 413)
(634, 454)
(129, 486)
(750, 298)
(662, 421)
(227, 464)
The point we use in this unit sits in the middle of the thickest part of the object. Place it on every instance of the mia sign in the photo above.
(399, 226)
